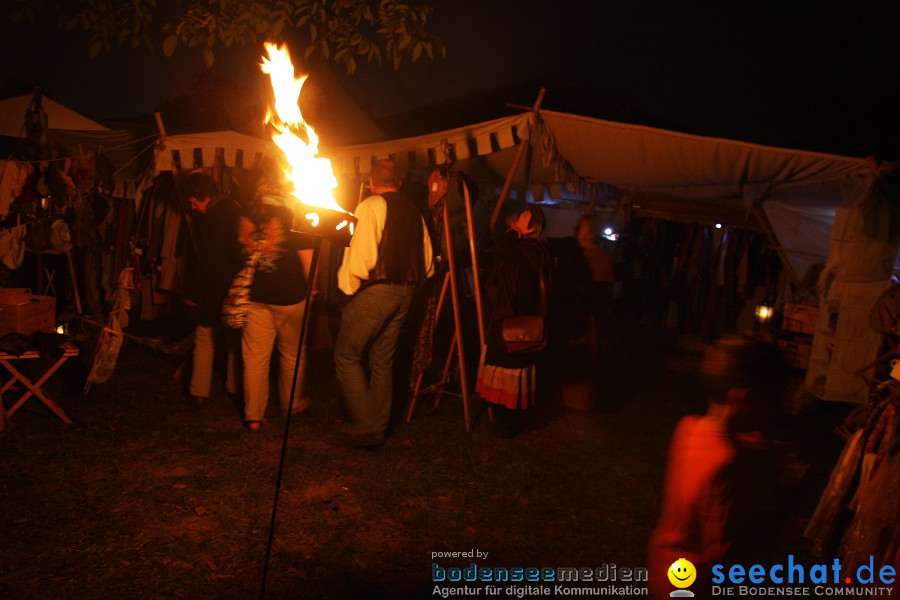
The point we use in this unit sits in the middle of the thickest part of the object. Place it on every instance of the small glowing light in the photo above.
(718, 226)
(608, 231)
(764, 313)
(60, 329)
(313, 218)
(352, 227)
(342, 224)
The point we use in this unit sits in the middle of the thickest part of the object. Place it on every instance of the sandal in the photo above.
(255, 425)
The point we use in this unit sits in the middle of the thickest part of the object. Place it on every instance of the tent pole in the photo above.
(773, 242)
(512, 170)
(475, 278)
(295, 382)
(457, 320)
(160, 126)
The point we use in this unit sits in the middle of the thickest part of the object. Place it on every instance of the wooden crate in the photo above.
(26, 313)
(800, 318)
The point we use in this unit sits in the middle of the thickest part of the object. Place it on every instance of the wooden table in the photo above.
(33, 388)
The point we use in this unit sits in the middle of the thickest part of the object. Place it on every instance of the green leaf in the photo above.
(208, 58)
(310, 50)
(94, 48)
(417, 51)
(169, 45)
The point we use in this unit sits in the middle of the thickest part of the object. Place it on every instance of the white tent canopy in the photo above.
(651, 171)
(233, 148)
(13, 111)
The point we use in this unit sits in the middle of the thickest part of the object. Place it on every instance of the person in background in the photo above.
(507, 381)
(727, 482)
(389, 256)
(599, 279)
(218, 260)
(277, 303)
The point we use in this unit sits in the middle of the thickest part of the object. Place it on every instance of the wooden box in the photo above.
(800, 318)
(26, 313)
(796, 351)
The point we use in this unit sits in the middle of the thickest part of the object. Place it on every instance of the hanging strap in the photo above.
(542, 302)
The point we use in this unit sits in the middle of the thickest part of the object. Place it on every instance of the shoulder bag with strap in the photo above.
(525, 333)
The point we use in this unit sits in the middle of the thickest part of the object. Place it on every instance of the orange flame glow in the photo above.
(311, 176)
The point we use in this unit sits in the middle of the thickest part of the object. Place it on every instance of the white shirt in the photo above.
(361, 256)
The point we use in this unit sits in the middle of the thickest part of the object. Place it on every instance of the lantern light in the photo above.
(764, 313)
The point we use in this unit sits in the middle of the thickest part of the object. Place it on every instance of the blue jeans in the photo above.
(370, 325)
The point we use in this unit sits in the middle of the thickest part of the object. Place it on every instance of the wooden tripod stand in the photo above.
(450, 281)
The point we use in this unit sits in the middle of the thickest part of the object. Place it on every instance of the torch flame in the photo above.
(311, 176)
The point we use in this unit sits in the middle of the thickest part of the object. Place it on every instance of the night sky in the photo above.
(794, 74)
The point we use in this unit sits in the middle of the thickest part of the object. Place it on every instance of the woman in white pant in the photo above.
(277, 303)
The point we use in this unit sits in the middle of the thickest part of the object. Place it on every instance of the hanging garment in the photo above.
(168, 268)
(875, 529)
(826, 518)
(12, 246)
(13, 176)
(110, 341)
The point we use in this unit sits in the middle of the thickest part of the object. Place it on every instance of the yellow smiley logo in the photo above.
(682, 573)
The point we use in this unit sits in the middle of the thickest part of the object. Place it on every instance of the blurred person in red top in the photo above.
(726, 478)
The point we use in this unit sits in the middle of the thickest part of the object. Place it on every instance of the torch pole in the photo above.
(304, 323)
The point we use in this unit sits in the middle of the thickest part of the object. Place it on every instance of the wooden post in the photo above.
(512, 170)
(454, 294)
(3, 425)
(474, 253)
(773, 241)
(74, 281)
(160, 126)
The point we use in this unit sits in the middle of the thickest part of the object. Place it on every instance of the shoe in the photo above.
(256, 425)
(193, 400)
(301, 405)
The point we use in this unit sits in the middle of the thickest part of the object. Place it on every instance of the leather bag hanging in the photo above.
(526, 333)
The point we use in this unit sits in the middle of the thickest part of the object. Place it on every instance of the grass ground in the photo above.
(145, 497)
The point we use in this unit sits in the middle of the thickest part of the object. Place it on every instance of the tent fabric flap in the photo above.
(429, 150)
(648, 161)
(188, 151)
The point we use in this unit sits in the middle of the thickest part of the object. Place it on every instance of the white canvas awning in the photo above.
(13, 111)
(658, 172)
